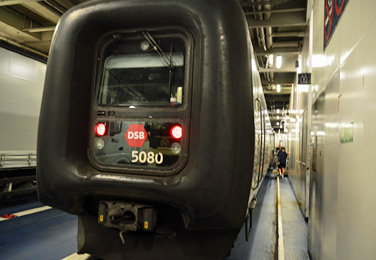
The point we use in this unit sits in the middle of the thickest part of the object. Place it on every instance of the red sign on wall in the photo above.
(333, 11)
(136, 135)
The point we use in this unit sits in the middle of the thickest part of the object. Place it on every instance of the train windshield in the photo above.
(144, 72)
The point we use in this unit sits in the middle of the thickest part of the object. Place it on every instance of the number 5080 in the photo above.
(149, 157)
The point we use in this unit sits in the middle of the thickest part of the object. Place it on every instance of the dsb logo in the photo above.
(136, 135)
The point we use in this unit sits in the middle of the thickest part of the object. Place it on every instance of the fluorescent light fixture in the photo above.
(277, 117)
(303, 88)
(279, 62)
(278, 89)
(320, 61)
(271, 60)
(141, 61)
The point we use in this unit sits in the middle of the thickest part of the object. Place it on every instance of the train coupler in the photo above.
(127, 216)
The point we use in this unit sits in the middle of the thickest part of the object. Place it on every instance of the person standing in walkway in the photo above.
(282, 156)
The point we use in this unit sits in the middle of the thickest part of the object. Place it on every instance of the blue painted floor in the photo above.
(261, 244)
(21, 207)
(50, 234)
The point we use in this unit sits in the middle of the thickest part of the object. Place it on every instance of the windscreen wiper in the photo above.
(159, 50)
(167, 60)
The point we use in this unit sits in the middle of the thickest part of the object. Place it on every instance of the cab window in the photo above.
(146, 71)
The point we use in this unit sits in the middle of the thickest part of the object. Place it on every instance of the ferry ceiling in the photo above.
(277, 29)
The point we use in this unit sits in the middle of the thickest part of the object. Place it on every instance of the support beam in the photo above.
(279, 20)
(24, 47)
(12, 30)
(56, 6)
(12, 24)
(286, 44)
(284, 91)
(281, 4)
(65, 3)
(15, 2)
(40, 29)
(250, 4)
(276, 11)
(290, 50)
(290, 34)
(44, 11)
(263, 70)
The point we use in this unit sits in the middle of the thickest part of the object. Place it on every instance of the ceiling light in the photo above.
(271, 60)
(278, 89)
(279, 62)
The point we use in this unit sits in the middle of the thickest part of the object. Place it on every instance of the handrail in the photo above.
(15, 159)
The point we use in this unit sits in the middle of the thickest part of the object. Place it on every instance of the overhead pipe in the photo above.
(269, 39)
(23, 47)
(265, 41)
(287, 44)
(290, 34)
(259, 32)
(268, 36)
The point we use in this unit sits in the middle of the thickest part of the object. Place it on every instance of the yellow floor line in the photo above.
(76, 256)
(281, 250)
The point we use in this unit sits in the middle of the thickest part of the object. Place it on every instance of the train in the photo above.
(153, 127)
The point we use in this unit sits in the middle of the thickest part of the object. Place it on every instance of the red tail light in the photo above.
(177, 132)
(100, 129)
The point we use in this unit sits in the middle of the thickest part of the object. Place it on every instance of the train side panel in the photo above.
(21, 92)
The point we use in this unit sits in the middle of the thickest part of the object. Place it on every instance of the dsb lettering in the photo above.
(136, 135)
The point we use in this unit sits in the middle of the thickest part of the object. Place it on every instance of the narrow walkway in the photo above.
(295, 230)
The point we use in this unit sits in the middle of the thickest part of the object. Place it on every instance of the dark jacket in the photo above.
(282, 157)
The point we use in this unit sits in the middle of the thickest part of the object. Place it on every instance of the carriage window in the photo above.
(147, 71)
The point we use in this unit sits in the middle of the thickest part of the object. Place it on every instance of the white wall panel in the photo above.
(298, 131)
(4, 61)
(346, 71)
(330, 170)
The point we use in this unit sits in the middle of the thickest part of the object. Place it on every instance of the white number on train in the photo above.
(149, 157)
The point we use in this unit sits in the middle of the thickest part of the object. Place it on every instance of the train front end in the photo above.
(146, 128)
